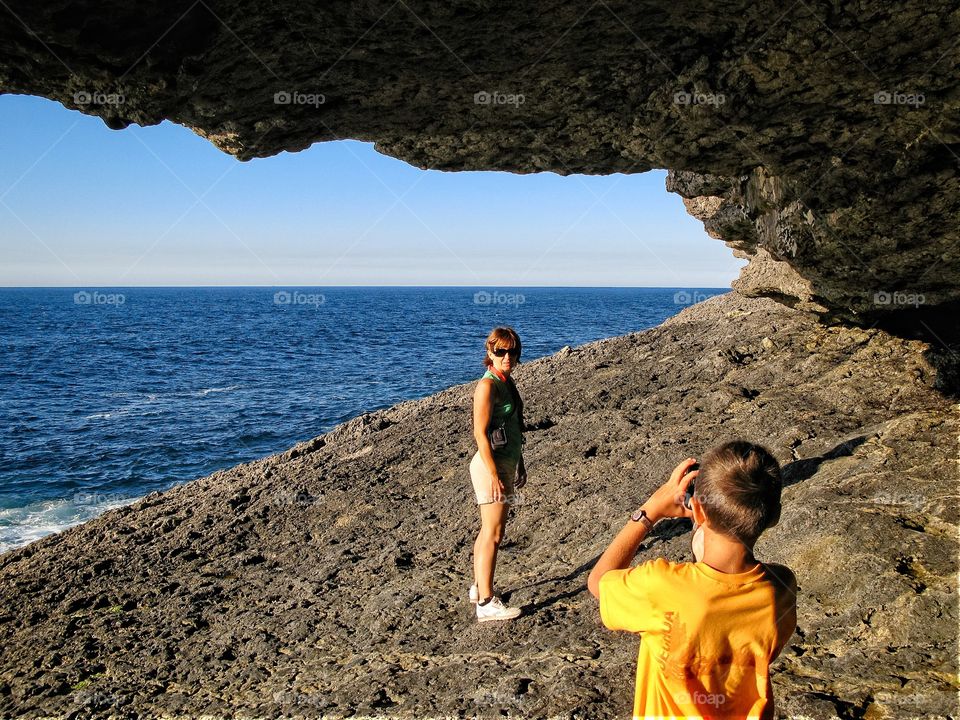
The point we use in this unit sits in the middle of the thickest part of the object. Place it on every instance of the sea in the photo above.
(107, 394)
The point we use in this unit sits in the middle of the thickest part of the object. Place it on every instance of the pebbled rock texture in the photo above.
(330, 580)
(824, 134)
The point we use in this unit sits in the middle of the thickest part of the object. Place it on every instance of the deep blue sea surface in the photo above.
(108, 394)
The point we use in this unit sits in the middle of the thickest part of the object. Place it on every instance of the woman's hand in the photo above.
(667, 501)
(496, 489)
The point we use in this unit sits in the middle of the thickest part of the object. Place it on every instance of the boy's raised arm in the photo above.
(667, 501)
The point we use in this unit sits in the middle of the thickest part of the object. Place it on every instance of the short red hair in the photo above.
(501, 337)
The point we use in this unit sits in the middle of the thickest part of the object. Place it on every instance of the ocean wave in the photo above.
(37, 519)
(155, 403)
(207, 391)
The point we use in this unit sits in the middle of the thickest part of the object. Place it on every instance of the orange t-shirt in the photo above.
(708, 637)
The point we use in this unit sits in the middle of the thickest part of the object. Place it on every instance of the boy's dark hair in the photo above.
(739, 488)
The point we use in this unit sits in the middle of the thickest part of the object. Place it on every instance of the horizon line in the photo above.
(288, 285)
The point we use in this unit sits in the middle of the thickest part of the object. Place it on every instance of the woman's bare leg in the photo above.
(493, 518)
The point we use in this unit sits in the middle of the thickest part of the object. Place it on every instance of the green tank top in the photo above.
(505, 413)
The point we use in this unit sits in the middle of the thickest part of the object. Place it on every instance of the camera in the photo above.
(688, 495)
(498, 437)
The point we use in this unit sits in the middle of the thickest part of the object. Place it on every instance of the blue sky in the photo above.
(85, 206)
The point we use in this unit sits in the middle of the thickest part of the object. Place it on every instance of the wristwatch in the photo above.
(641, 516)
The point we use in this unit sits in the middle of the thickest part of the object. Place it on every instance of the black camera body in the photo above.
(688, 495)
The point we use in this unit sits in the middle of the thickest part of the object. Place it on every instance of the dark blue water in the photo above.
(108, 394)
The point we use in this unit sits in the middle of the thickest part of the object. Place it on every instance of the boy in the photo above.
(711, 628)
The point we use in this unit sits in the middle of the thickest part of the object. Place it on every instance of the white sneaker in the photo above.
(474, 594)
(496, 610)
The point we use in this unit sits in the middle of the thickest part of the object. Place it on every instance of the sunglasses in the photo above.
(500, 352)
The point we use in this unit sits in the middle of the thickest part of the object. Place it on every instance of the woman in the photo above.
(497, 469)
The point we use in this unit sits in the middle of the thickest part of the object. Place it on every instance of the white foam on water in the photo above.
(207, 391)
(141, 406)
(153, 403)
(22, 525)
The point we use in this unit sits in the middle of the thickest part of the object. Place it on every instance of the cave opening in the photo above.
(161, 206)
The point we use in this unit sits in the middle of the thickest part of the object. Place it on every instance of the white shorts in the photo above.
(481, 479)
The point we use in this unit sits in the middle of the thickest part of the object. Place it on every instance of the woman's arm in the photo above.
(482, 412)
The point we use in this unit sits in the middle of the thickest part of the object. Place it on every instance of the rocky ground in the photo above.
(330, 580)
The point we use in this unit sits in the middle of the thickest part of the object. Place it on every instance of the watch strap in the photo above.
(641, 516)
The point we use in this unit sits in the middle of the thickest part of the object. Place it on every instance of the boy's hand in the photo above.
(667, 501)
